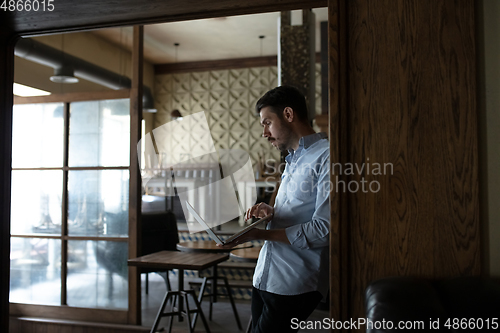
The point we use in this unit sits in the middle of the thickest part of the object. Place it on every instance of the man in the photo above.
(291, 276)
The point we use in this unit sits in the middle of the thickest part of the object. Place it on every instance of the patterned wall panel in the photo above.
(228, 98)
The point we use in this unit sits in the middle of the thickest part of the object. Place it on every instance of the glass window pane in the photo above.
(38, 135)
(35, 275)
(99, 133)
(97, 274)
(36, 202)
(98, 203)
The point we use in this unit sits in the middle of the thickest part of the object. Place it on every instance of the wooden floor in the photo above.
(223, 320)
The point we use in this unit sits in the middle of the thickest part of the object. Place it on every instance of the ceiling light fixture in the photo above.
(176, 47)
(64, 74)
(148, 106)
(175, 114)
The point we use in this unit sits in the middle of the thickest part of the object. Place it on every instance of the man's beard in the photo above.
(286, 137)
(280, 146)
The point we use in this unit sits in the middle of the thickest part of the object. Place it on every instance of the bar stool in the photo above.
(211, 247)
(180, 261)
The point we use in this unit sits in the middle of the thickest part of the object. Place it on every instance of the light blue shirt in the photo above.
(302, 209)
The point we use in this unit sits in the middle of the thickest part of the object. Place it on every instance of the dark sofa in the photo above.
(453, 305)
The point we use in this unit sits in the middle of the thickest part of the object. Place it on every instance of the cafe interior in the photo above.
(121, 115)
(199, 130)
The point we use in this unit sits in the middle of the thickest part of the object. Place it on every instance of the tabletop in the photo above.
(248, 255)
(208, 246)
(179, 260)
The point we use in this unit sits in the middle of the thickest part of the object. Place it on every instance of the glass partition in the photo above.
(36, 202)
(35, 271)
(99, 133)
(53, 202)
(98, 203)
(97, 274)
(38, 134)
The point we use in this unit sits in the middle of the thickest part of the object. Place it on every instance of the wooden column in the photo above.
(7, 75)
(322, 119)
(324, 66)
(135, 198)
(412, 103)
(297, 58)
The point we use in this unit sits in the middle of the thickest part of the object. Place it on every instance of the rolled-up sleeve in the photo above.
(315, 233)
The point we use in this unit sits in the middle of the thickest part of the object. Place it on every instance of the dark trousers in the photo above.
(272, 313)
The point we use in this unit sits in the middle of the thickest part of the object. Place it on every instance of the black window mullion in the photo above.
(64, 219)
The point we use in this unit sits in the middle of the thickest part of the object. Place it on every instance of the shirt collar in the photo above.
(306, 142)
(309, 140)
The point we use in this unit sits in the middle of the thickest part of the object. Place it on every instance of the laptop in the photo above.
(214, 236)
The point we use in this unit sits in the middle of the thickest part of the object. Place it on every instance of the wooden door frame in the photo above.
(337, 132)
(72, 15)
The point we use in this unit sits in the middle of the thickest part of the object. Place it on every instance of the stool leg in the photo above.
(211, 295)
(202, 289)
(181, 288)
(188, 321)
(169, 287)
(147, 283)
(160, 312)
(171, 319)
(230, 295)
(200, 311)
(214, 285)
(212, 299)
(200, 298)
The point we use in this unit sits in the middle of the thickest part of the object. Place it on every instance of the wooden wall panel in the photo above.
(412, 104)
(337, 133)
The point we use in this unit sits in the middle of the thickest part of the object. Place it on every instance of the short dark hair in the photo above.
(281, 97)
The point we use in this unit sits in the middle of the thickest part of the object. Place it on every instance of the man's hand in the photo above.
(259, 210)
(276, 235)
(246, 237)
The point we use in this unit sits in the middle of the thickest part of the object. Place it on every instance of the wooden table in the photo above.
(211, 247)
(180, 261)
(246, 255)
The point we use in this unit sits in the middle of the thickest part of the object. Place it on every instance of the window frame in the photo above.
(63, 311)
